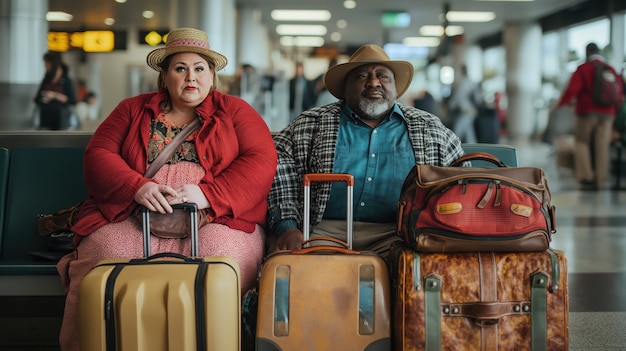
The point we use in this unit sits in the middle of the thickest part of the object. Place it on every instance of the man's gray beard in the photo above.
(374, 110)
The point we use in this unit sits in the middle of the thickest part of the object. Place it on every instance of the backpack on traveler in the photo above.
(606, 85)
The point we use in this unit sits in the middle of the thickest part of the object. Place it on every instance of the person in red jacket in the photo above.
(594, 123)
(226, 167)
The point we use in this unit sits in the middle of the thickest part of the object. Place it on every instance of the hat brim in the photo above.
(335, 77)
(155, 57)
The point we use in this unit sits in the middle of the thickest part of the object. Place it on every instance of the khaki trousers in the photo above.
(596, 129)
(376, 237)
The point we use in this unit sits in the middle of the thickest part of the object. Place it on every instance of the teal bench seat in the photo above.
(505, 153)
(40, 180)
(4, 177)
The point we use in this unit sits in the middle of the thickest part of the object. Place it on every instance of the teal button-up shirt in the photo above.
(379, 159)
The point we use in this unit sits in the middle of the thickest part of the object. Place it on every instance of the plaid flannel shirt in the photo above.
(307, 145)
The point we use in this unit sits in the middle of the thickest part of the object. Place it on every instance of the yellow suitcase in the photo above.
(165, 301)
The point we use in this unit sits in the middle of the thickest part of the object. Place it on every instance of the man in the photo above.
(302, 94)
(367, 134)
(593, 123)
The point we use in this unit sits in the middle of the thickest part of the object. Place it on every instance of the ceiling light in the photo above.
(349, 4)
(147, 14)
(300, 29)
(120, 1)
(58, 16)
(446, 75)
(302, 41)
(508, 0)
(437, 31)
(109, 21)
(335, 36)
(470, 16)
(421, 41)
(300, 15)
(342, 23)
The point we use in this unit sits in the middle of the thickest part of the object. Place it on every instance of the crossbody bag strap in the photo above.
(167, 151)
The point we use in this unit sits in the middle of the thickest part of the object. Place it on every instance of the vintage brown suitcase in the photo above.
(324, 297)
(480, 301)
(163, 302)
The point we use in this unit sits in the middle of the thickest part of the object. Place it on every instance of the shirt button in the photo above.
(362, 204)
(373, 155)
(375, 131)
(369, 179)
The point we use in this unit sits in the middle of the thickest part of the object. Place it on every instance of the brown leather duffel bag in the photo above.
(461, 209)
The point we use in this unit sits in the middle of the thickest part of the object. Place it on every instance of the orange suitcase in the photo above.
(162, 302)
(324, 297)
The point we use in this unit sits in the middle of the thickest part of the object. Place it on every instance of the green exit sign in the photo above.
(396, 19)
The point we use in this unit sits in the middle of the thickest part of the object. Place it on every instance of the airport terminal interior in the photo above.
(591, 224)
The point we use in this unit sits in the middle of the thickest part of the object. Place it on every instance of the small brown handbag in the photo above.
(175, 225)
(58, 222)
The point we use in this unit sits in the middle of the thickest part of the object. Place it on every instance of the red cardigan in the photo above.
(234, 145)
(580, 87)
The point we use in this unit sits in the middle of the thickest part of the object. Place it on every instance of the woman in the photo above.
(55, 95)
(226, 166)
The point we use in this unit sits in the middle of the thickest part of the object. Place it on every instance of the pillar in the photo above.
(522, 43)
(618, 40)
(217, 19)
(253, 42)
(255, 48)
(21, 64)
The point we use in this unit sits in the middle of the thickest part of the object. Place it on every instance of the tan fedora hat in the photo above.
(186, 40)
(335, 78)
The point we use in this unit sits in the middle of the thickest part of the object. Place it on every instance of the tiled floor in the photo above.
(591, 231)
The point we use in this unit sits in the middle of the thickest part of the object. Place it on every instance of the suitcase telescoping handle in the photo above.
(193, 212)
(328, 177)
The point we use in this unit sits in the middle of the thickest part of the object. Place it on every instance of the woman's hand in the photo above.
(49, 95)
(156, 197)
(190, 193)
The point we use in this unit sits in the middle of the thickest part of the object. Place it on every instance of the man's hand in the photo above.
(290, 240)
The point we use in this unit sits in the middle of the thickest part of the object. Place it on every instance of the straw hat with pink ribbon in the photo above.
(186, 40)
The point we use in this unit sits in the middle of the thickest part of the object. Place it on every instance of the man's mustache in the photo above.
(369, 91)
